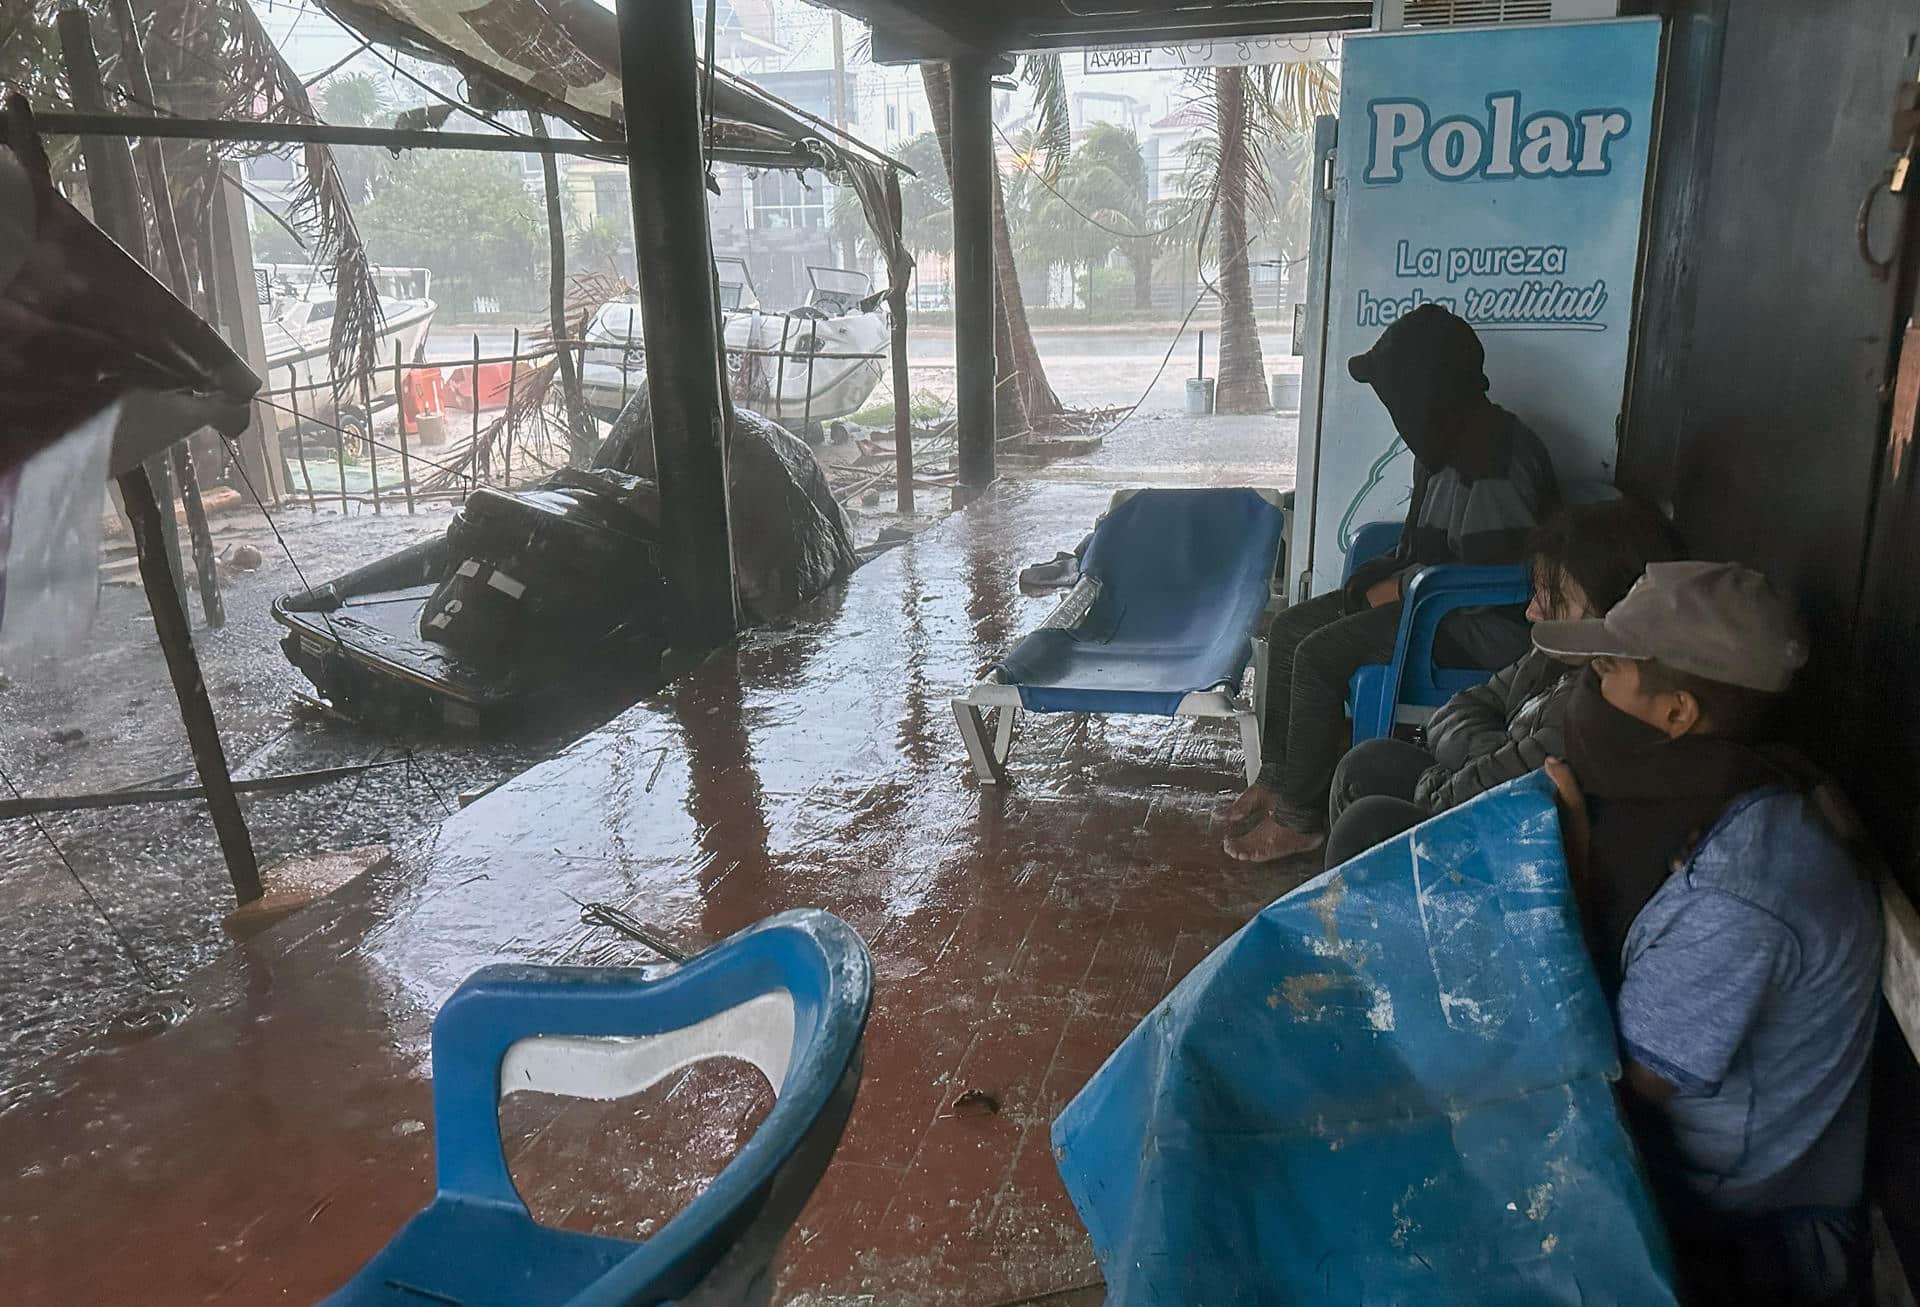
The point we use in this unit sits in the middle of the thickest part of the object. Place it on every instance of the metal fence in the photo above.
(374, 438)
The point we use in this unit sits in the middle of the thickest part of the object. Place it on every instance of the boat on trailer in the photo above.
(297, 307)
(804, 367)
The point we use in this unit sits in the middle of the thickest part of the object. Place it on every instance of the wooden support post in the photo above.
(973, 273)
(150, 527)
(373, 447)
(400, 407)
(678, 311)
(581, 432)
(116, 210)
(899, 270)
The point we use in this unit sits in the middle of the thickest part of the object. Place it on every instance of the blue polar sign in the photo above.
(1499, 172)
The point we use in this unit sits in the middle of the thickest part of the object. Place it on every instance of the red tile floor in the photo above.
(261, 1149)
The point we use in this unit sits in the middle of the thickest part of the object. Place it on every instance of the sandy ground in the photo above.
(106, 718)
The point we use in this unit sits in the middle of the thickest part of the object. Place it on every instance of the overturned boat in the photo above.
(804, 367)
(540, 600)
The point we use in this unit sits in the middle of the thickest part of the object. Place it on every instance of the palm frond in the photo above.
(1052, 117)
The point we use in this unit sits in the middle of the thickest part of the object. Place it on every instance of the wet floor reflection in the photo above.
(1016, 938)
(724, 795)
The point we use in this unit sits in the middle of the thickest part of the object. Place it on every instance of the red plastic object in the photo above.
(492, 388)
(421, 397)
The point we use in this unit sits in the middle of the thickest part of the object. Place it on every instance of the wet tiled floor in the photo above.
(264, 1147)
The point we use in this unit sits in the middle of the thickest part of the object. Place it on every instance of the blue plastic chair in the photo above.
(789, 995)
(1412, 685)
(1370, 541)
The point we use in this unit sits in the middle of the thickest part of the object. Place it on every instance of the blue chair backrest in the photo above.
(1178, 565)
(790, 995)
(1371, 541)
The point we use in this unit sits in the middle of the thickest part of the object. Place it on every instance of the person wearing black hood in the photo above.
(1482, 481)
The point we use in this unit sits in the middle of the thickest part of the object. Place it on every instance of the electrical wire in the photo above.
(1207, 287)
(113, 927)
(307, 84)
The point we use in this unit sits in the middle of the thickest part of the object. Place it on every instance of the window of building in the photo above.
(612, 201)
(783, 200)
(269, 168)
(893, 117)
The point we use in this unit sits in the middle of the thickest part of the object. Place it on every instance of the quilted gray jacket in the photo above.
(1490, 734)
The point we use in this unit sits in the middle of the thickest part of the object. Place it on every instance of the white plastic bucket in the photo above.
(1199, 396)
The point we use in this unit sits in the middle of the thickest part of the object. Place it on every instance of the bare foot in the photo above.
(1254, 801)
(1271, 841)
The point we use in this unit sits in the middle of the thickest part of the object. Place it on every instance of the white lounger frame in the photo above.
(994, 694)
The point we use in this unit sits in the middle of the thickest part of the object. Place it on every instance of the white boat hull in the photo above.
(301, 358)
(795, 369)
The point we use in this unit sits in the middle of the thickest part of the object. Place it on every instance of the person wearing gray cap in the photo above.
(1727, 897)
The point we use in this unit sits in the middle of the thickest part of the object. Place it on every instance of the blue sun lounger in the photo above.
(1162, 622)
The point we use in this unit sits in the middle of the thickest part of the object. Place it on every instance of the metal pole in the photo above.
(473, 394)
(973, 274)
(116, 211)
(300, 436)
(400, 403)
(579, 428)
(902, 397)
(779, 364)
(678, 310)
(150, 529)
(626, 358)
(115, 126)
(513, 375)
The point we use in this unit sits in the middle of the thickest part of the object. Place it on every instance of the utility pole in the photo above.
(847, 252)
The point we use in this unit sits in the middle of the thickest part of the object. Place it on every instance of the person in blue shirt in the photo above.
(1729, 902)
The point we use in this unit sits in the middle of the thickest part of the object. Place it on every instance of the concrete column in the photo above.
(674, 250)
(238, 307)
(973, 274)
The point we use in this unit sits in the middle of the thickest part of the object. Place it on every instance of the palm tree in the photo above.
(1248, 111)
(1027, 398)
(358, 100)
(214, 59)
(1108, 188)
(926, 203)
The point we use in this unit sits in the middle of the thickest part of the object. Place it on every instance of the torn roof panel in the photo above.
(564, 56)
(83, 324)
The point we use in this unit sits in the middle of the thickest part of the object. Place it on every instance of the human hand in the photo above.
(1382, 593)
(1576, 826)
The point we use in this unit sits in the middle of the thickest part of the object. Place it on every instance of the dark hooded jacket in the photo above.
(1481, 479)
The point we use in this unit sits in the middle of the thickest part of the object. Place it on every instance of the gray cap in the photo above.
(1719, 621)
